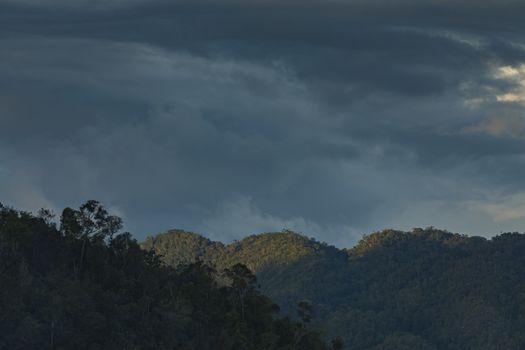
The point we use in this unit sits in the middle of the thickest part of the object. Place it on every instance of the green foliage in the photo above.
(256, 252)
(181, 247)
(86, 286)
(424, 289)
(91, 219)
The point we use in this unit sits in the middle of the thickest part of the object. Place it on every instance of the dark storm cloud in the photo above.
(333, 118)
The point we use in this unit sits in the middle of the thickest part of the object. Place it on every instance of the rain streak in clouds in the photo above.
(229, 118)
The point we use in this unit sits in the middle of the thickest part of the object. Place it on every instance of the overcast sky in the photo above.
(333, 118)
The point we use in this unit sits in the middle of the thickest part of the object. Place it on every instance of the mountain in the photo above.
(84, 285)
(277, 259)
(424, 289)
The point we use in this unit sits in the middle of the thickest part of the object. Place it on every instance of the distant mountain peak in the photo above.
(255, 251)
(182, 247)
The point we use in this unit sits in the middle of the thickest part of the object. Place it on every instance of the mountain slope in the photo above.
(277, 259)
(425, 289)
(83, 285)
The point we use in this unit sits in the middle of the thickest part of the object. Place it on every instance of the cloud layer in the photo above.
(334, 119)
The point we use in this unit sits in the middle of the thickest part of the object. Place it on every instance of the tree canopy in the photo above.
(86, 285)
(423, 289)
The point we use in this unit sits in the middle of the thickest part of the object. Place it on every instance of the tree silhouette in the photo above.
(90, 222)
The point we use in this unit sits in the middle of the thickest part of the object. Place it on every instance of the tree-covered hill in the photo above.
(257, 252)
(84, 285)
(424, 289)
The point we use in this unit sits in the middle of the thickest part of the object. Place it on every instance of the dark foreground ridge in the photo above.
(424, 289)
(83, 285)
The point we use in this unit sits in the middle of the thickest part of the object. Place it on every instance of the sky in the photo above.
(332, 118)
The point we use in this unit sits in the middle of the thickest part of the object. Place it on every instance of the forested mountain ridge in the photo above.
(257, 252)
(83, 284)
(424, 289)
